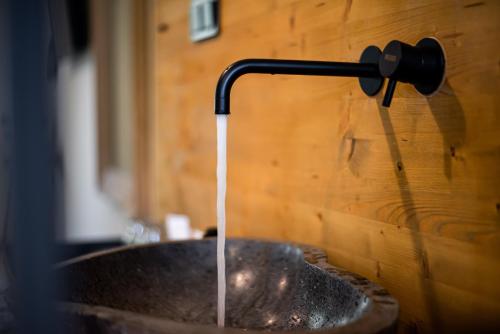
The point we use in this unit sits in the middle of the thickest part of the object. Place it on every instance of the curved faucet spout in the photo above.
(290, 67)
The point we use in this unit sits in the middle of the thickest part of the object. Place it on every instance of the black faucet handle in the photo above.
(400, 62)
(422, 65)
(389, 92)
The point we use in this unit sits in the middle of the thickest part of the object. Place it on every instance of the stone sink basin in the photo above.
(172, 288)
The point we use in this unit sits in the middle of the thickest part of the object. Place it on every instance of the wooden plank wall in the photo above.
(408, 197)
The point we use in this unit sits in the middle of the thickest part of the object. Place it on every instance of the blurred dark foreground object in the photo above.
(32, 38)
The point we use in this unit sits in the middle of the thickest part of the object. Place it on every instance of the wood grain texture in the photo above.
(408, 197)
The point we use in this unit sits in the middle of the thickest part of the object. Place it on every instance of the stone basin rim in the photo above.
(380, 317)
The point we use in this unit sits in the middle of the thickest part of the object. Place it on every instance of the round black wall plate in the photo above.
(435, 78)
(371, 86)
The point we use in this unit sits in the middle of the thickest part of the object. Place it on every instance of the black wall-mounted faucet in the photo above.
(291, 67)
(422, 65)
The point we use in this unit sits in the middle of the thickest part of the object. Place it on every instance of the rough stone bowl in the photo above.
(172, 288)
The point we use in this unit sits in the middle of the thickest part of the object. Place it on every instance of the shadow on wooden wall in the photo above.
(411, 219)
(450, 119)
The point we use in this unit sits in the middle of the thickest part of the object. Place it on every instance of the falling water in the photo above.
(221, 217)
